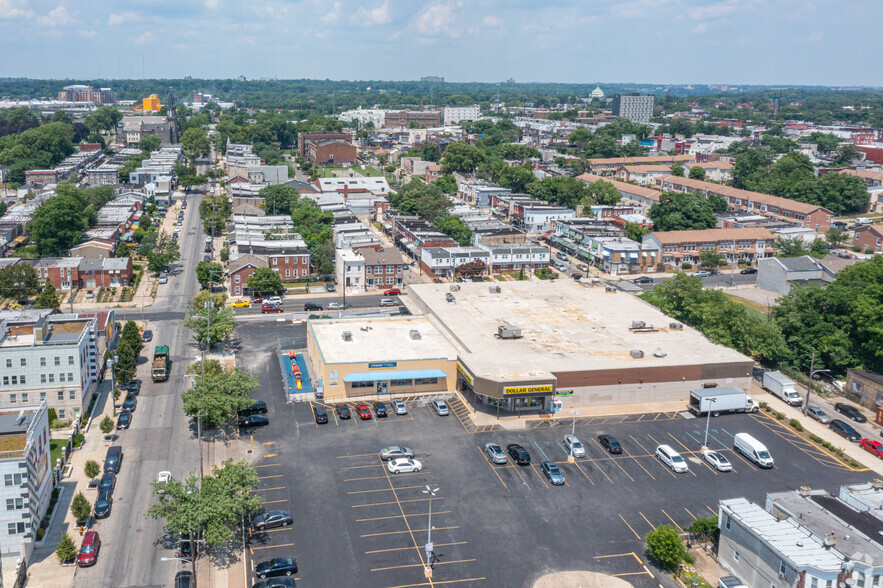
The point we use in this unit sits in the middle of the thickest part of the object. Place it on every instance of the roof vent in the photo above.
(675, 326)
(455, 287)
(638, 324)
(347, 335)
(610, 289)
(637, 354)
(494, 289)
(508, 332)
(415, 335)
(658, 352)
(20, 418)
(830, 540)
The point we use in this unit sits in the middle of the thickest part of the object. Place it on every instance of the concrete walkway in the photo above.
(580, 579)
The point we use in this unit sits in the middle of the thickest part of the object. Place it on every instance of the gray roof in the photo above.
(9, 421)
(437, 252)
(804, 263)
(245, 260)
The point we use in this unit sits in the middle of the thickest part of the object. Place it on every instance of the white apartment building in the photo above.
(452, 115)
(26, 474)
(538, 218)
(349, 269)
(364, 116)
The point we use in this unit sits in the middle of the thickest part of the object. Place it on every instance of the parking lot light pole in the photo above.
(429, 547)
(575, 414)
(708, 422)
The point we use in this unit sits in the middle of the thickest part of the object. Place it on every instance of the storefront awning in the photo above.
(393, 375)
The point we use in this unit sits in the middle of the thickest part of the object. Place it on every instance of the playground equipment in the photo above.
(295, 370)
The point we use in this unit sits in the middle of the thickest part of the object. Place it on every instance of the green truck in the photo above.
(161, 363)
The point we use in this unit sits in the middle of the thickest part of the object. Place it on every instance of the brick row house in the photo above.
(72, 273)
(869, 237)
(673, 248)
(610, 165)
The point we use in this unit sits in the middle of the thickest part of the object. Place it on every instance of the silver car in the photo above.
(818, 414)
(440, 407)
(389, 302)
(399, 406)
(574, 446)
(495, 453)
(395, 452)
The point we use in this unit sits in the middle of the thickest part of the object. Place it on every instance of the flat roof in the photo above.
(380, 339)
(565, 327)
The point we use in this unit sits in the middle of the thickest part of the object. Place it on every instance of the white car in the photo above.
(163, 478)
(717, 460)
(277, 300)
(163, 278)
(671, 458)
(404, 465)
(389, 302)
(336, 306)
(398, 406)
(574, 446)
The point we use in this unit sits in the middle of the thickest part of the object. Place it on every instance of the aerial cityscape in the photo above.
(428, 294)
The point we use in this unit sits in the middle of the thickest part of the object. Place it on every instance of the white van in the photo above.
(753, 449)
(671, 458)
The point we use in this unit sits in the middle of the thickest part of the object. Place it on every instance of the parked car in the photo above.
(308, 306)
(103, 505)
(130, 403)
(257, 299)
(133, 387)
(701, 274)
(399, 406)
(550, 468)
(717, 460)
(844, 430)
(240, 304)
(404, 465)
(558, 266)
(519, 454)
(107, 482)
(277, 300)
(643, 280)
(610, 443)
(89, 549)
(253, 420)
(392, 292)
(124, 420)
(278, 566)
(380, 410)
(363, 411)
(872, 446)
(336, 306)
(90, 294)
(561, 255)
(671, 458)
(259, 407)
(275, 583)
(389, 302)
(574, 446)
(495, 453)
(395, 452)
(271, 519)
(818, 414)
(113, 459)
(207, 258)
(440, 407)
(329, 287)
(320, 414)
(163, 278)
(850, 411)
(269, 308)
(208, 249)
(343, 411)
(749, 270)
(147, 335)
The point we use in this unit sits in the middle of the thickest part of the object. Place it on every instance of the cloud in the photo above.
(145, 37)
(718, 10)
(12, 9)
(372, 16)
(491, 21)
(118, 18)
(639, 8)
(438, 20)
(88, 34)
(57, 17)
(332, 15)
(700, 28)
(814, 37)
(212, 4)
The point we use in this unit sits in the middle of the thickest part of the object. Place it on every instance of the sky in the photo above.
(765, 42)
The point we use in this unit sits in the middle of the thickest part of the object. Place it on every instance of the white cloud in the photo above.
(212, 4)
(11, 9)
(700, 28)
(332, 15)
(814, 37)
(88, 34)
(145, 37)
(717, 10)
(491, 21)
(438, 20)
(373, 16)
(57, 17)
(118, 18)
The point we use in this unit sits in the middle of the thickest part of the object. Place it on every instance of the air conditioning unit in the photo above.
(508, 332)
(637, 353)
(415, 335)
(638, 324)
(494, 289)
(675, 326)
(659, 352)
(347, 335)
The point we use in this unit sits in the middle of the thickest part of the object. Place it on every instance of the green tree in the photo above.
(59, 223)
(447, 184)
(131, 334)
(826, 142)
(461, 157)
(790, 247)
(123, 250)
(515, 178)
(163, 251)
(836, 236)
(454, 227)
(279, 199)
(80, 507)
(581, 137)
(418, 197)
(106, 425)
(91, 469)
(635, 232)
(431, 152)
(48, 297)
(211, 507)
(666, 547)
(222, 318)
(697, 173)
(212, 367)
(18, 281)
(195, 142)
(150, 143)
(105, 118)
(711, 259)
(677, 169)
(265, 280)
(214, 212)
(124, 369)
(220, 395)
(677, 211)
(603, 192)
(66, 550)
(210, 272)
(706, 529)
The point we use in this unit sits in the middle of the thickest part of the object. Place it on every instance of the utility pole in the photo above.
(429, 547)
(708, 420)
(812, 363)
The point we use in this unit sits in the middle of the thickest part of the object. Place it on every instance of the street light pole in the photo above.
(429, 547)
(812, 372)
(113, 385)
(708, 420)
(575, 414)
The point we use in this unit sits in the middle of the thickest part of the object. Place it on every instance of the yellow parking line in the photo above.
(533, 467)
(639, 463)
(630, 574)
(614, 461)
(689, 513)
(288, 528)
(714, 512)
(273, 476)
(373, 465)
(267, 465)
(652, 526)
(408, 531)
(412, 547)
(584, 473)
(662, 465)
(677, 526)
(416, 514)
(438, 563)
(384, 489)
(602, 471)
(424, 472)
(267, 489)
(437, 582)
(357, 455)
(614, 555)
(630, 527)
(271, 546)
(273, 501)
(493, 468)
(518, 471)
(394, 502)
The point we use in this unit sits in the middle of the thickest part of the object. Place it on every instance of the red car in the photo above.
(89, 549)
(363, 411)
(257, 299)
(270, 308)
(872, 446)
(393, 292)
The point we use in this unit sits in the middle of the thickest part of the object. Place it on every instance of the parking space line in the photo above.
(493, 468)
(714, 512)
(689, 513)
(615, 555)
(639, 464)
(416, 514)
(652, 526)
(532, 467)
(408, 530)
(384, 489)
(584, 473)
(677, 526)
(662, 465)
(631, 574)
(437, 563)
(273, 501)
(272, 476)
(267, 465)
(267, 489)
(271, 546)
(614, 461)
(630, 527)
(357, 455)
(437, 582)
(603, 473)
(412, 547)
(381, 477)
(658, 443)
(373, 465)
(518, 471)
(815, 453)
(394, 502)
(541, 450)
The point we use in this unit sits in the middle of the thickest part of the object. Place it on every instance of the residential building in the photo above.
(452, 115)
(715, 171)
(869, 238)
(420, 118)
(433, 172)
(643, 175)
(41, 177)
(673, 248)
(95, 248)
(80, 93)
(479, 193)
(349, 269)
(609, 165)
(443, 262)
(865, 388)
(515, 257)
(614, 255)
(137, 127)
(106, 174)
(635, 107)
(303, 139)
(384, 268)
(376, 117)
(26, 470)
(780, 274)
(538, 218)
(240, 270)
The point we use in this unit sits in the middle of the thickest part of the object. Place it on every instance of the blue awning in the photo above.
(383, 376)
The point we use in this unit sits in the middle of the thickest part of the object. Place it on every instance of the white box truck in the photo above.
(718, 401)
(783, 387)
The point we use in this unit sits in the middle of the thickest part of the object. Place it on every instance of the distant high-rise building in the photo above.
(635, 107)
(81, 93)
(432, 79)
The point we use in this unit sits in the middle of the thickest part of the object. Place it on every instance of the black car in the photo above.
(749, 270)
(610, 443)
(308, 306)
(253, 420)
(275, 583)
(124, 420)
(102, 505)
(108, 481)
(844, 430)
(519, 454)
(643, 280)
(278, 566)
(321, 415)
(147, 335)
(130, 403)
(343, 411)
(270, 519)
(380, 410)
(259, 407)
(133, 387)
(851, 412)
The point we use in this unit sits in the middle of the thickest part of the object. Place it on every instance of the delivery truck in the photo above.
(718, 401)
(783, 387)
(161, 363)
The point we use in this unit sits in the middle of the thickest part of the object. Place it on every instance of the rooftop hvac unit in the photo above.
(494, 289)
(455, 287)
(637, 354)
(830, 540)
(675, 326)
(347, 335)
(508, 332)
(877, 484)
(638, 324)
(804, 491)
(415, 335)
(659, 352)
(610, 289)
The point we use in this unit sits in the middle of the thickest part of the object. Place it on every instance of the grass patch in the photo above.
(755, 306)
(367, 171)
(55, 447)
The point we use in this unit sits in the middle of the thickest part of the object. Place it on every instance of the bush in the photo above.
(40, 532)
(869, 251)
(666, 547)
(51, 415)
(106, 425)
(856, 248)
(225, 254)
(80, 507)
(686, 266)
(796, 424)
(78, 439)
(92, 469)
(66, 550)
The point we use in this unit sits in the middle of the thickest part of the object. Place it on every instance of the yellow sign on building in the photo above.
(527, 389)
(465, 374)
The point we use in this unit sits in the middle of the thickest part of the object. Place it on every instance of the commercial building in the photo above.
(456, 114)
(151, 103)
(27, 479)
(87, 94)
(635, 107)
(521, 345)
(420, 118)
(332, 151)
(359, 357)
(376, 117)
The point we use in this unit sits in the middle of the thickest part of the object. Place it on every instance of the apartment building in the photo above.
(635, 107)
(384, 268)
(609, 165)
(420, 118)
(75, 273)
(614, 255)
(305, 139)
(453, 115)
(715, 171)
(538, 218)
(674, 248)
(643, 175)
(443, 262)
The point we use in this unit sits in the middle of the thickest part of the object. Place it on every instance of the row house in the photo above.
(614, 255)
(579, 230)
(238, 272)
(433, 172)
(442, 262)
(715, 171)
(41, 177)
(643, 175)
(384, 268)
(538, 218)
(515, 257)
(630, 193)
(674, 248)
(288, 257)
(480, 194)
(107, 174)
(806, 215)
(869, 238)
(610, 165)
(503, 203)
(73, 273)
